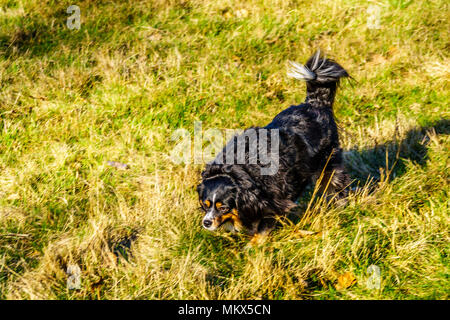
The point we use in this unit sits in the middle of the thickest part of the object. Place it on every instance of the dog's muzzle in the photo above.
(209, 221)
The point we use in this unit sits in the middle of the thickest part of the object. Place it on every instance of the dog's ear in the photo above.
(200, 188)
(250, 205)
(251, 198)
(248, 200)
(240, 175)
(211, 170)
(205, 173)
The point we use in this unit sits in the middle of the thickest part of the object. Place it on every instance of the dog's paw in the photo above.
(256, 241)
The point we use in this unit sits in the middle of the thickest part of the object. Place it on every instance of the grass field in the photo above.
(117, 88)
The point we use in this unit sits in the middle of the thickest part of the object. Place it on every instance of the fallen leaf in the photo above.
(345, 281)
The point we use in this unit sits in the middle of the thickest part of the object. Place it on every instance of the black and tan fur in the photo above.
(241, 198)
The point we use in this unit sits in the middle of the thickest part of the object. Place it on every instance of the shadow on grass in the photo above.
(33, 36)
(43, 31)
(393, 156)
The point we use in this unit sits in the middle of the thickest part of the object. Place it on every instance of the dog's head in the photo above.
(218, 199)
(229, 196)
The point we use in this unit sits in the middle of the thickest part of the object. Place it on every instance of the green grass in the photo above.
(116, 89)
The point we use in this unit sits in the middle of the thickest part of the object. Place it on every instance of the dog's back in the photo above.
(313, 120)
(310, 128)
(307, 148)
(312, 123)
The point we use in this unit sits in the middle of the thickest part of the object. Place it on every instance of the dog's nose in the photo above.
(207, 223)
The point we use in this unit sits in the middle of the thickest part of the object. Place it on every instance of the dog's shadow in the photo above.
(389, 159)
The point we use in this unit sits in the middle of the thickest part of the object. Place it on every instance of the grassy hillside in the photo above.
(116, 89)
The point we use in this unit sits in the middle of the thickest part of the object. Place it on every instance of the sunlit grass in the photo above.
(116, 89)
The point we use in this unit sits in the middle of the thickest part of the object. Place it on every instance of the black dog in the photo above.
(304, 144)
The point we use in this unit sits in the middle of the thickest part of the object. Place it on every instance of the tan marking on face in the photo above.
(207, 203)
(233, 217)
(226, 216)
(218, 205)
(217, 221)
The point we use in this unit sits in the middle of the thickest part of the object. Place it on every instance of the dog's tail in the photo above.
(322, 77)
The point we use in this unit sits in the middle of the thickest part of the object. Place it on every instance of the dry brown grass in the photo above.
(116, 90)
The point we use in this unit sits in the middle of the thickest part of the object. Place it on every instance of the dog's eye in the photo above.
(223, 209)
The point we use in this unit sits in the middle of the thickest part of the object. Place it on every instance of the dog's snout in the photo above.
(207, 223)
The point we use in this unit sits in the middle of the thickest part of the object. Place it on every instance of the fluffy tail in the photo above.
(322, 77)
